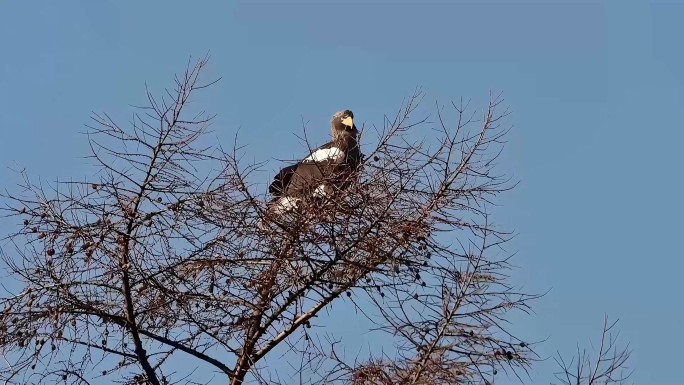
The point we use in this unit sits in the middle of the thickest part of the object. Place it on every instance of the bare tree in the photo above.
(608, 365)
(169, 257)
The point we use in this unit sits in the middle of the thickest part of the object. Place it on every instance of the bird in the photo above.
(327, 168)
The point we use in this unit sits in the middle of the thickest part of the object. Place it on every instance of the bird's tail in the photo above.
(277, 212)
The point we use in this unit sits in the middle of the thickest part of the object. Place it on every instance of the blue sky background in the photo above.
(596, 90)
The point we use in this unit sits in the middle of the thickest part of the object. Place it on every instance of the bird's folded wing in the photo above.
(306, 177)
(281, 180)
(299, 177)
(327, 152)
(309, 171)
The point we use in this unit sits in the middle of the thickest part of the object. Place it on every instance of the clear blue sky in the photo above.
(595, 87)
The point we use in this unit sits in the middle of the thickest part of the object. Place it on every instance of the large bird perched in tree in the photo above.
(327, 168)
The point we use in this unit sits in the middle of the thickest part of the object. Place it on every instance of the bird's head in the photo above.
(343, 124)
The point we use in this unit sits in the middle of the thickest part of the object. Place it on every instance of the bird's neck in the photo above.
(344, 140)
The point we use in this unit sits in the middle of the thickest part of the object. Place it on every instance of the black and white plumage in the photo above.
(327, 167)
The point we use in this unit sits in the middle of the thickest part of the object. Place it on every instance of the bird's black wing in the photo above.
(282, 180)
(310, 168)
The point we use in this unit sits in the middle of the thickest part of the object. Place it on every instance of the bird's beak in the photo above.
(348, 121)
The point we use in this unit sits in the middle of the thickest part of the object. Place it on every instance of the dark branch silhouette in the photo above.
(608, 365)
